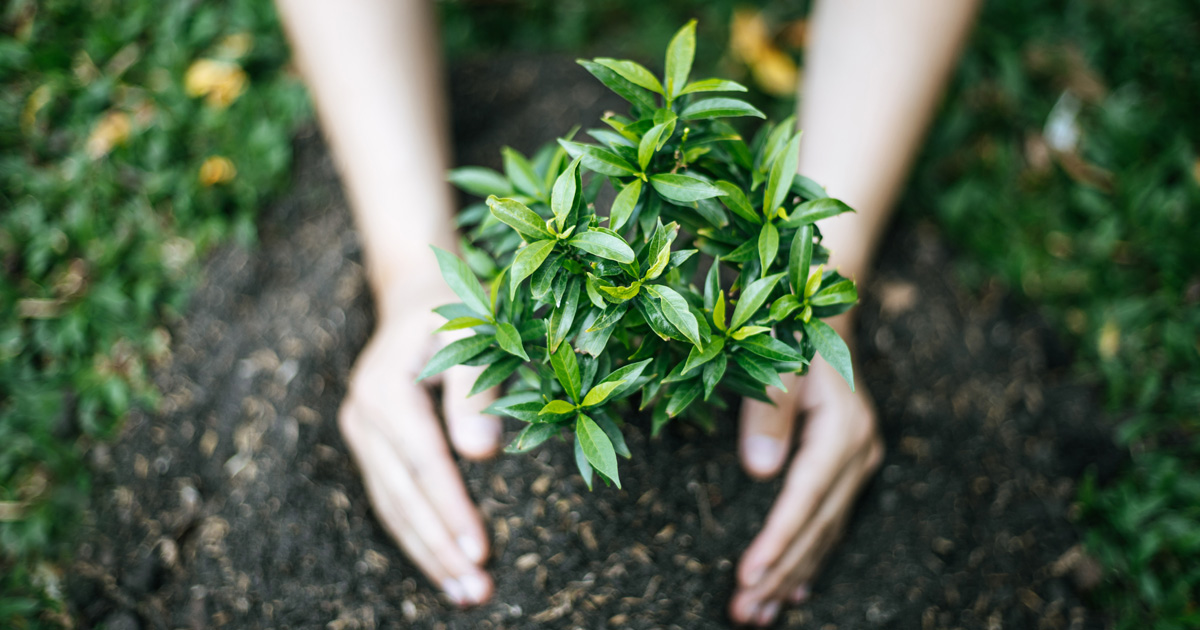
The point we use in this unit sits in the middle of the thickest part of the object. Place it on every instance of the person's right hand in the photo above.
(388, 421)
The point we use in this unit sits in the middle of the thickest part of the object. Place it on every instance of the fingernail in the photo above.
(763, 452)
(476, 434)
(768, 612)
(800, 594)
(454, 591)
(474, 587)
(471, 548)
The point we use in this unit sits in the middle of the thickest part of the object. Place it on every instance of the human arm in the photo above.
(874, 73)
(373, 69)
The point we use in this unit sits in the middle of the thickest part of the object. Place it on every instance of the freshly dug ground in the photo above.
(238, 505)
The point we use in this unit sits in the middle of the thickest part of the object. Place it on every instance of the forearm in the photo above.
(874, 72)
(373, 69)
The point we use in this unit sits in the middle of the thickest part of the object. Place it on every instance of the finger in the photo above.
(408, 516)
(473, 434)
(433, 469)
(766, 433)
(411, 516)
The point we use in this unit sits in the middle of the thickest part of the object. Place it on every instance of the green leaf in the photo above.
(565, 195)
(527, 261)
(621, 293)
(603, 245)
(658, 419)
(566, 370)
(599, 159)
(831, 348)
(775, 143)
(521, 173)
(463, 282)
(752, 298)
(719, 311)
(597, 447)
(480, 181)
(459, 323)
(712, 373)
(680, 52)
(815, 210)
(779, 183)
(676, 310)
(768, 347)
(624, 204)
(800, 257)
(814, 281)
(519, 217)
(759, 369)
(808, 188)
(719, 108)
(697, 357)
(562, 318)
(581, 462)
(784, 306)
(659, 259)
(843, 292)
(495, 374)
(627, 374)
(737, 202)
(455, 353)
(510, 340)
(609, 317)
(532, 437)
(683, 395)
(746, 331)
(683, 188)
(768, 245)
(712, 284)
(623, 87)
(653, 141)
(614, 434)
(556, 407)
(633, 72)
(600, 393)
(712, 85)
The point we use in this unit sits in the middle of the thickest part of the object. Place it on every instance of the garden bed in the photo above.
(239, 505)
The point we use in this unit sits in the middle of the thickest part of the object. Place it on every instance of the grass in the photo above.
(119, 172)
(116, 179)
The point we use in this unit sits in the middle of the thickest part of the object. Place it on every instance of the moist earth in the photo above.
(237, 504)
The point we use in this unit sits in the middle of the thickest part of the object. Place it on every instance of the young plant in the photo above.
(584, 310)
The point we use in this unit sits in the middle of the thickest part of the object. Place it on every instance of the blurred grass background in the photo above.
(136, 135)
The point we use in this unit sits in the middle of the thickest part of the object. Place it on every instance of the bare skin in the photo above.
(874, 73)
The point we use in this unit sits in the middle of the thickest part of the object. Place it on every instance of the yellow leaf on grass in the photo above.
(217, 170)
(220, 82)
(113, 129)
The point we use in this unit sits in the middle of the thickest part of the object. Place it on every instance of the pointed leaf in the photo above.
(603, 245)
(683, 395)
(480, 181)
(455, 353)
(735, 199)
(633, 72)
(683, 188)
(519, 217)
(597, 447)
(600, 393)
(581, 462)
(680, 53)
(696, 357)
(459, 323)
(599, 159)
(527, 261)
(532, 437)
(752, 298)
(712, 85)
(623, 206)
(784, 306)
(566, 370)
(719, 108)
(843, 292)
(556, 407)
(779, 183)
(831, 348)
(712, 372)
(510, 340)
(653, 140)
(815, 210)
(800, 257)
(521, 173)
(760, 370)
(614, 434)
(768, 245)
(620, 85)
(463, 282)
(495, 374)
(676, 310)
(814, 281)
(712, 284)
(719, 311)
(768, 347)
(565, 195)
(747, 331)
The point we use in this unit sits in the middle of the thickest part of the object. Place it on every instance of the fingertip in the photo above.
(474, 549)
(743, 609)
(477, 587)
(762, 455)
(475, 436)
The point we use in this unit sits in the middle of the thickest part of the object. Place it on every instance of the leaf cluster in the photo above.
(586, 308)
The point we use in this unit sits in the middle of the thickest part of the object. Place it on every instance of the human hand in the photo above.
(389, 423)
(840, 449)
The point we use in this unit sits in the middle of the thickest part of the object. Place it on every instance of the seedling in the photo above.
(584, 310)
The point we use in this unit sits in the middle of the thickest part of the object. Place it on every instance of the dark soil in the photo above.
(238, 505)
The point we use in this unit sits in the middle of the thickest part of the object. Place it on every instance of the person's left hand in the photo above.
(839, 451)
